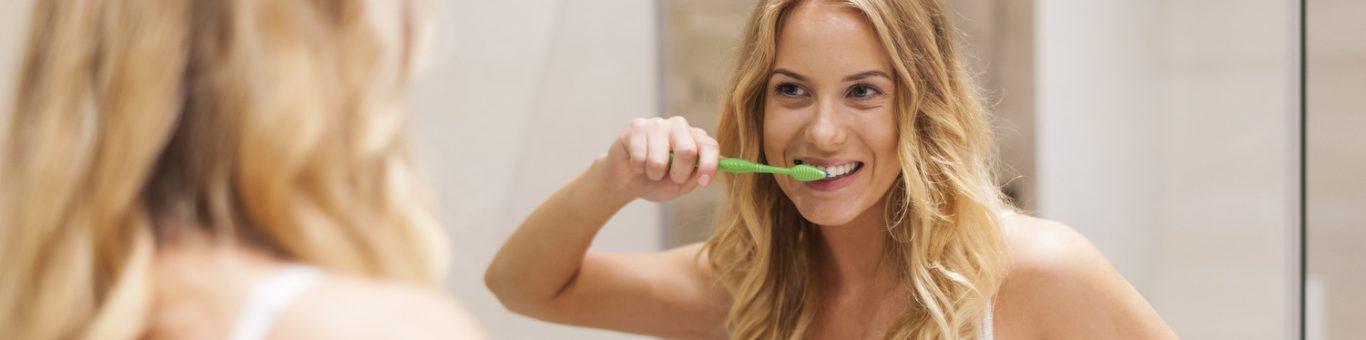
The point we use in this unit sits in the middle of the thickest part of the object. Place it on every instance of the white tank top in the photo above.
(268, 298)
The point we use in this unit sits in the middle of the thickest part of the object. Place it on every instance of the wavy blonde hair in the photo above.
(942, 227)
(276, 125)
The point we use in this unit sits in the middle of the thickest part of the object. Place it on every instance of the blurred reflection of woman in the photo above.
(911, 240)
(217, 169)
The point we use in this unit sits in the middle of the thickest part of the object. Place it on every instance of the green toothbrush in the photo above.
(800, 172)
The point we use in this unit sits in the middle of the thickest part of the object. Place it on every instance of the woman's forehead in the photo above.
(827, 40)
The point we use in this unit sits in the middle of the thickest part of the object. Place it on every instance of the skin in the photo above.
(829, 102)
(201, 285)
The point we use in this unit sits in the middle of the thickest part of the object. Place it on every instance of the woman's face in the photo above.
(829, 104)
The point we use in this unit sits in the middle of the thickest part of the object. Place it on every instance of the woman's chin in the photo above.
(829, 216)
(831, 209)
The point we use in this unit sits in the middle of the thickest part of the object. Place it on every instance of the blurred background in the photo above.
(1212, 149)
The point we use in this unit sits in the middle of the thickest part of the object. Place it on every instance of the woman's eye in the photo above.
(790, 90)
(863, 92)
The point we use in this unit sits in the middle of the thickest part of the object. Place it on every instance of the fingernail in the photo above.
(704, 180)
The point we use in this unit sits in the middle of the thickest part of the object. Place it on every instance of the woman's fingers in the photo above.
(636, 146)
(684, 150)
(708, 154)
(657, 161)
(670, 149)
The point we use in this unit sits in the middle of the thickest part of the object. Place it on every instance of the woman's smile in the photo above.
(839, 173)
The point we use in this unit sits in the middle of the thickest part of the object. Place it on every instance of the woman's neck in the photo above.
(852, 254)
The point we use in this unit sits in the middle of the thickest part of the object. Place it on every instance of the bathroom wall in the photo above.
(698, 52)
(516, 100)
(1166, 134)
(998, 40)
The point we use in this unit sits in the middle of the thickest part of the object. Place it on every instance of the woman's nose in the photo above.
(826, 131)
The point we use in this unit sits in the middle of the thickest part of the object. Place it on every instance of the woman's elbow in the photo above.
(505, 289)
(498, 284)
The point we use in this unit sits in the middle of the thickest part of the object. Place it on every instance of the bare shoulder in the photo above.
(1039, 248)
(1059, 285)
(358, 308)
(201, 290)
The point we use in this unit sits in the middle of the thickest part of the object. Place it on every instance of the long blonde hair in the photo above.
(942, 227)
(276, 125)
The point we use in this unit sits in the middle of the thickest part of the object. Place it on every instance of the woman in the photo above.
(911, 240)
(217, 169)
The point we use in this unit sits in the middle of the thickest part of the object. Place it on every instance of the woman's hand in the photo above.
(639, 164)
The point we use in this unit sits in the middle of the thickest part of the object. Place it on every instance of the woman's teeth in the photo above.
(841, 170)
(837, 170)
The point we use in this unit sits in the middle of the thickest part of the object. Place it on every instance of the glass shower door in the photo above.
(1335, 169)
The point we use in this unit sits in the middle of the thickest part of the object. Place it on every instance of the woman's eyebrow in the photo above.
(788, 73)
(866, 74)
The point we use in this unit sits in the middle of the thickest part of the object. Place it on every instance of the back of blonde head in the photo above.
(276, 125)
(942, 227)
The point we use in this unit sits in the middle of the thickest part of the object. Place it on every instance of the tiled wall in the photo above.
(13, 30)
(998, 37)
(699, 50)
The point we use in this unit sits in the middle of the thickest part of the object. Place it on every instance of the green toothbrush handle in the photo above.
(741, 166)
(801, 172)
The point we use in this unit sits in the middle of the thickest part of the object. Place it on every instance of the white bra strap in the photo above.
(268, 298)
(988, 333)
